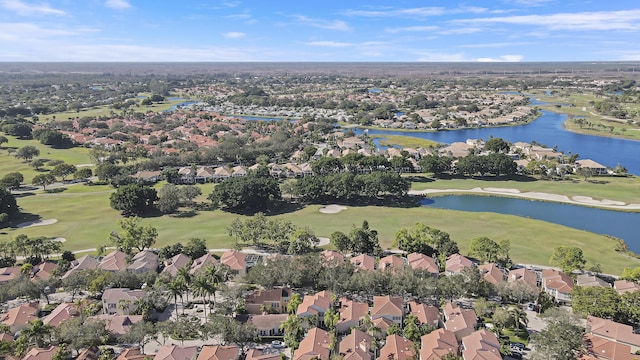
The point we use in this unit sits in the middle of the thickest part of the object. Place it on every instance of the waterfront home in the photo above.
(625, 286)
(590, 280)
(523, 275)
(456, 263)
(491, 273)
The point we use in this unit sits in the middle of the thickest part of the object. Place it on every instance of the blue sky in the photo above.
(327, 30)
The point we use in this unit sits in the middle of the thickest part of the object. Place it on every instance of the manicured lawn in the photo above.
(85, 220)
(8, 163)
(405, 141)
(602, 187)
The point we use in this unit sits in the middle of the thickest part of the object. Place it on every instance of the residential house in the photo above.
(557, 284)
(43, 271)
(356, 346)
(601, 348)
(90, 353)
(201, 263)
(383, 324)
(121, 301)
(148, 176)
(523, 275)
(614, 332)
(596, 168)
(276, 299)
(84, 263)
(62, 312)
(352, 313)
(9, 273)
(41, 354)
(268, 324)
(133, 354)
(397, 348)
(175, 352)
(316, 305)
(18, 318)
(330, 257)
(625, 286)
(426, 314)
(174, 264)
(456, 263)
(590, 280)
(491, 273)
(236, 261)
(391, 262)
(238, 171)
(257, 354)
(144, 261)
(114, 261)
(118, 325)
(314, 345)
(462, 322)
(419, 261)
(218, 352)
(388, 307)
(364, 262)
(437, 344)
(481, 344)
(204, 174)
(222, 173)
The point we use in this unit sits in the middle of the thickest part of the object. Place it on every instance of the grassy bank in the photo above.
(85, 220)
(613, 188)
(405, 141)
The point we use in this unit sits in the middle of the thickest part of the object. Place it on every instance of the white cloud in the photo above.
(441, 57)
(503, 58)
(118, 4)
(29, 32)
(411, 29)
(234, 35)
(334, 44)
(322, 24)
(494, 45)
(461, 31)
(24, 9)
(628, 20)
(528, 2)
(421, 12)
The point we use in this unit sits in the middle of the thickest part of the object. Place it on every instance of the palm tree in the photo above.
(36, 333)
(204, 288)
(293, 304)
(176, 287)
(215, 275)
(186, 277)
(519, 316)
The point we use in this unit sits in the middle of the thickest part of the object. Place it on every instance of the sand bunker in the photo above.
(37, 223)
(332, 209)
(59, 239)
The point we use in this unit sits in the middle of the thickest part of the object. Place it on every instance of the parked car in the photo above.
(277, 344)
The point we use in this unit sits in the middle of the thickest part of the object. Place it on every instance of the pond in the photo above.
(619, 224)
(549, 130)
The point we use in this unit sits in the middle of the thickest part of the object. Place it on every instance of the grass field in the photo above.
(85, 220)
(8, 163)
(625, 189)
(405, 141)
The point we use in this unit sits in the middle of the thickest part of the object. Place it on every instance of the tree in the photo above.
(82, 173)
(420, 238)
(3, 140)
(568, 258)
(63, 170)
(43, 180)
(364, 240)
(37, 164)
(435, 164)
(11, 181)
(79, 333)
(195, 248)
(169, 198)
(176, 288)
(631, 274)
(484, 249)
(293, 331)
(141, 333)
(133, 235)
(302, 241)
(37, 333)
(23, 131)
(107, 171)
(27, 153)
(246, 194)
(133, 199)
(497, 145)
(340, 240)
(8, 206)
(603, 302)
(562, 337)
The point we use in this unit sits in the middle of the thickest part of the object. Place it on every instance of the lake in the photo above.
(622, 225)
(549, 130)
